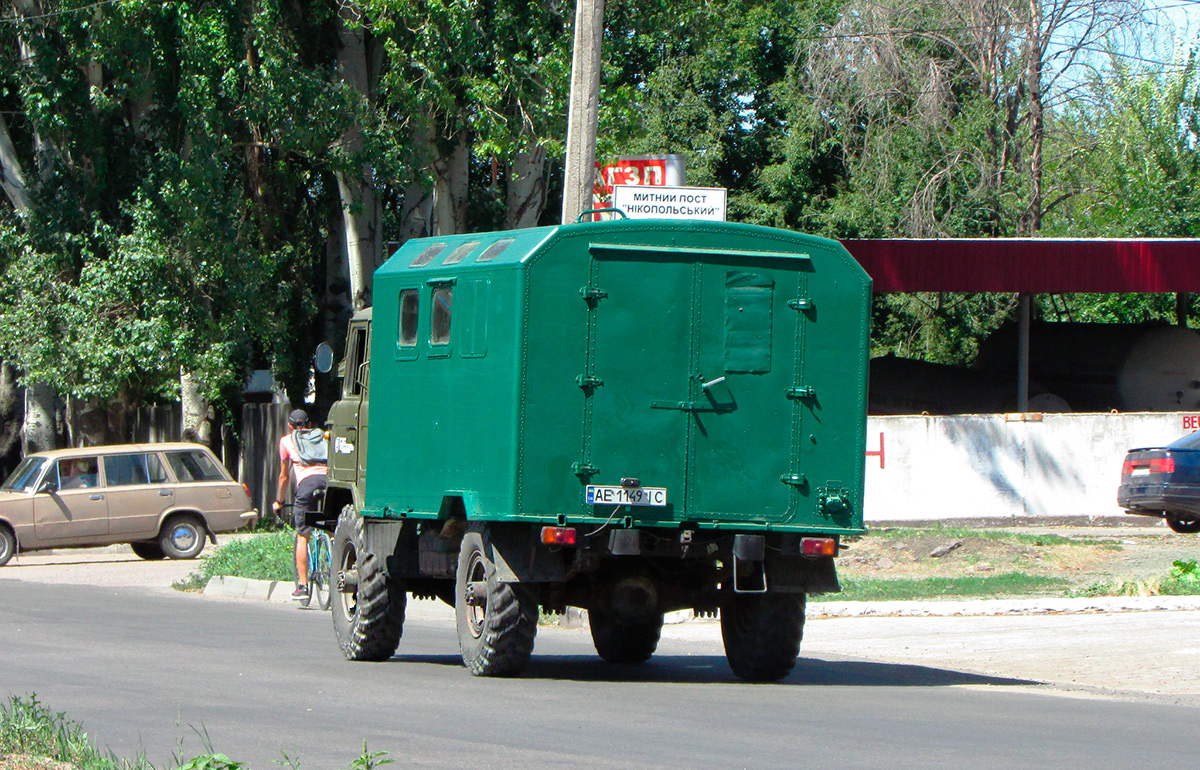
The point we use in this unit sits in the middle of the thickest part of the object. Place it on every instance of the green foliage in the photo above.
(259, 557)
(1009, 584)
(27, 727)
(1186, 572)
(30, 729)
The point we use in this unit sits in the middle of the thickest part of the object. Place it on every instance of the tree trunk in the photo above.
(525, 198)
(10, 412)
(39, 433)
(197, 420)
(12, 176)
(450, 189)
(358, 65)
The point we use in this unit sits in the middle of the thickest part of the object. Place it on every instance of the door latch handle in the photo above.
(165, 493)
(95, 497)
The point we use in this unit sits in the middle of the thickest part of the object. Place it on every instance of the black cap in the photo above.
(297, 417)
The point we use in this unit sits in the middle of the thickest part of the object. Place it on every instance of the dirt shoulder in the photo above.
(1083, 556)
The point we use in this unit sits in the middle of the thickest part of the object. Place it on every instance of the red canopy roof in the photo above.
(1034, 265)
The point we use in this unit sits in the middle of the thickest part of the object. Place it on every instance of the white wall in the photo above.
(1060, 467)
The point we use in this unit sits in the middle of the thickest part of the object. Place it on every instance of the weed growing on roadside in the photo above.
(31, 734)
(29, 729)
(976, 586)
(1182, 580)
(262, 557)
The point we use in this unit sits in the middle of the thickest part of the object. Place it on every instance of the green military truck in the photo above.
(630, 417)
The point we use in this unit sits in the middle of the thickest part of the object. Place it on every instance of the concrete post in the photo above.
(584, 110)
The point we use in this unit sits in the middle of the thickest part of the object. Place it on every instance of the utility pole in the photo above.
(583, 112)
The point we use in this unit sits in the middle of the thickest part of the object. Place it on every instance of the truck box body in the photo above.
(722, 363)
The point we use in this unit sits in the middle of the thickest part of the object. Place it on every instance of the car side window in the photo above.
(194, 466)
(127, 470)
(78, 473)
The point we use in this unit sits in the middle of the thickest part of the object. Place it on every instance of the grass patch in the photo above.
(1182, 580)
(1009, 584)
(262, 557)
(32, 737)
(964, 533)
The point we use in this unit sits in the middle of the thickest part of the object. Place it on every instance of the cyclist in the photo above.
(309, 478)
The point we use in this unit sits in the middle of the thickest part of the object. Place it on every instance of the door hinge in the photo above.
(592, 295)
(804, 305)
(588, 383)
(584, 470)
(794, 480)
(801, 393)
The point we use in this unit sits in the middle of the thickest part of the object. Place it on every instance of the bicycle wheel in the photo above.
(318, 569)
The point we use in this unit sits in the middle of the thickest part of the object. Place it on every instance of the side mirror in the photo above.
(323, 359)
(46, 488)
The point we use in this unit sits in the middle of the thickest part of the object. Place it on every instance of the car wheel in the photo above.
(368, 608)
(497, 622)
(148, 551)
(8, 545)
(1183, 523)
(182, 537)
(762, 634)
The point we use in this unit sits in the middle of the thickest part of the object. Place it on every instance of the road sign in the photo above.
(642, 202)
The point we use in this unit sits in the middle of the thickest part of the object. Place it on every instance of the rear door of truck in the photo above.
(694, 360)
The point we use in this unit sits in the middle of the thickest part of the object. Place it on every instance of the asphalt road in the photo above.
(154, 671)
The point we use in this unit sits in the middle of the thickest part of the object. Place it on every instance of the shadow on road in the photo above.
(712, 669)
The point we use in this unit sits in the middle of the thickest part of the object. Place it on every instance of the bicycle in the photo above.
(319, 549)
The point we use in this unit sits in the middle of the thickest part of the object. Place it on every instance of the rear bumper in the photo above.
(1159, 499)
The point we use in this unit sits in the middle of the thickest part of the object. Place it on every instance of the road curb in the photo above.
(244, 588)
(279, 591)
(981, 607)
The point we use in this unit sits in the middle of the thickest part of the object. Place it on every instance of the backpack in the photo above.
(311, 447)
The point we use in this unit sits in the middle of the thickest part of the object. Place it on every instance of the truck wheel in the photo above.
(368, 608)
(762, 634)
(497, 621)
(1183, 523)
(619, 642)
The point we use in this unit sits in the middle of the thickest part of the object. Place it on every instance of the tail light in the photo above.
(1153, 465)
(818, 546)
(1162, 465)
(558, 535)
(246, 488)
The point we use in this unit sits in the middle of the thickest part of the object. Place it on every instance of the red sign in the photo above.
(635, 171)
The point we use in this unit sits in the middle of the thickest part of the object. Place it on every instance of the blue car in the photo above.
(1164, 481)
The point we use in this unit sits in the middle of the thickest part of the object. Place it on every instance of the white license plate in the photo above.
(1140, 472)
(602, 495)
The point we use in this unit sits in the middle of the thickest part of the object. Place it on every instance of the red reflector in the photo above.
(558, 535)
(1127, 468)
(822, 546)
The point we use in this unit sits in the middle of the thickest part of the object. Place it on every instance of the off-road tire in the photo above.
(626, 643)
(8, 545)
(148, 550)
(497, 638)
(762, 634)
(182, 537)
(1184, 524)
(368, 618)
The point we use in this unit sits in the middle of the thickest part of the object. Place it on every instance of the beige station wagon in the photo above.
(162, 499)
